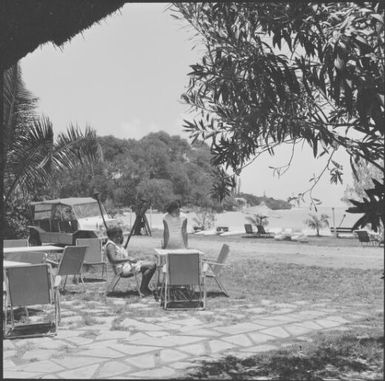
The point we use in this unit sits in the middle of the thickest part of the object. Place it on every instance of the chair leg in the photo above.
(5, 311)
(56, 310)
(12, 318)
(161, 292)
(112, 284)
(204, 292)
(104, 266)
(57, 293)
(65, 281)
(137, 284)
(81, 279)
(221, 286)
(115, 281)
(166, 291)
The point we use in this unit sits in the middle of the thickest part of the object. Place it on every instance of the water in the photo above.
(293, 219)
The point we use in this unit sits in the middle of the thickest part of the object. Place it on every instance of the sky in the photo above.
(124, 77)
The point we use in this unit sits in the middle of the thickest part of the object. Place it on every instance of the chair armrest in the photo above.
(57, 281)
(51, 262)
(119, 261)
(216, 263)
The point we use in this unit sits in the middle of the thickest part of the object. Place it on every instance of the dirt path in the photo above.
(273, 251)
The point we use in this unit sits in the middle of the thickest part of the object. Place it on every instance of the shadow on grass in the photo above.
(71, 292)
(216, 294)
(346, 357)
(123, 294)
(94, 280)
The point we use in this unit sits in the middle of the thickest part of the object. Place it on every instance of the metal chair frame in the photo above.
(29, 285)
(182, 276)
(71, 263)
(213, 269)
(365, 237)
(94, 253)
(117, 277)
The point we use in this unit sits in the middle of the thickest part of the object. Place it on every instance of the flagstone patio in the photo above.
(166, 344)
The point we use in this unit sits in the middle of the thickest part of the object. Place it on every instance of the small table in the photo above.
(43, 248)
(7, 264)
(161, 253)
(24, 249)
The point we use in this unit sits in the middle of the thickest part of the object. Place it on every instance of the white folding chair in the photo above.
(71, 263)
(111, 284)
(183, 282)
(94, 253)
(213, 270)
(27, 286)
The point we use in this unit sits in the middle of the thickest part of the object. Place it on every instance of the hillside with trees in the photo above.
(270, 202)
(158, 167)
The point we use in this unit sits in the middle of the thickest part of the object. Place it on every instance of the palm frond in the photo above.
(19, 105)
(74, 147)
(33, 156)
(30, 157)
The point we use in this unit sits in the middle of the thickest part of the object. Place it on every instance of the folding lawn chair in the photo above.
(248, 228)
(27, 286)
(32, 257)
(365, 238)
(183, 282)
(71, 263)
(111, 284)
(250, 233)
(213, 270)
(94, 253)
(15, 243)
(263, 233)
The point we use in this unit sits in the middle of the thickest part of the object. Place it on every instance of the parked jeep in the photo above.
(62, 221)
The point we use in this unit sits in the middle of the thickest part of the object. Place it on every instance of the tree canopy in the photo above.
(158, 167)
(282, 73)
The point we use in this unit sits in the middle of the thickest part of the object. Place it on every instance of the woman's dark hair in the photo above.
(173, 206)
(114, 232)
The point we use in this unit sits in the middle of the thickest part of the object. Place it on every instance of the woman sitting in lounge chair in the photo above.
(125, 265)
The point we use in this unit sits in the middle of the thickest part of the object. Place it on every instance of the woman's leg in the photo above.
(147, 269)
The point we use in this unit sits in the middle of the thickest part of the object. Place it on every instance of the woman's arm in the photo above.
(114, 257)
(184, 233)
(166, 234)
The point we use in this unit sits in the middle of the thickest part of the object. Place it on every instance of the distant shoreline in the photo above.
(277, 219)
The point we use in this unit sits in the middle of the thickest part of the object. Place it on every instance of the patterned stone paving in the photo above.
(163, 344)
